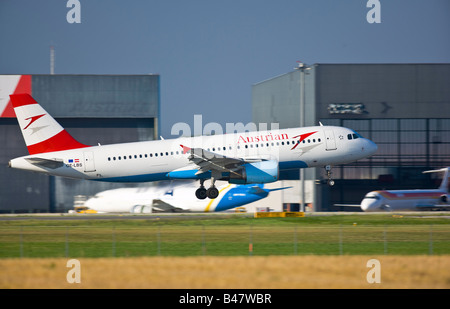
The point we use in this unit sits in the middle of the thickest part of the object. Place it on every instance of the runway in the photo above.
(112, 216)
(216, 215)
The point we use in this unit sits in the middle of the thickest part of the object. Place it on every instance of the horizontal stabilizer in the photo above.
(271, 190)
(47, 163)
(259, 190)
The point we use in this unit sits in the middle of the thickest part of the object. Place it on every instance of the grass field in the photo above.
(257, 272)
(229, 251)
(230, 235)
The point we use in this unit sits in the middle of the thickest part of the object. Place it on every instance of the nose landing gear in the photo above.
(328, 170)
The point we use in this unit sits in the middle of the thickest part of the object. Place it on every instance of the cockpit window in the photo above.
(353, 136)
(374, 197)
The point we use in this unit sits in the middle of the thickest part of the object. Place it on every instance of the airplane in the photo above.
(178, 198)
(409, 200)
(239, 158)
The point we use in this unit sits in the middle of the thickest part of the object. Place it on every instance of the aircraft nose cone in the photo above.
(369, 147)
(368, 206)
(372, 147)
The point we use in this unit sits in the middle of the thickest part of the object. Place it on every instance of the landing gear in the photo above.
(212, 192)
(202, 193)
(328, 170)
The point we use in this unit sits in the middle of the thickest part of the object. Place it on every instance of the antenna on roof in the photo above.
(52, 59)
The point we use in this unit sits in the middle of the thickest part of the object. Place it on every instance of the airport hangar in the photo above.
(94, 109)
(403, 108)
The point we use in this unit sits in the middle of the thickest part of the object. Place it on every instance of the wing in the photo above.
(433, 207)
(210, 161)
(159, 205)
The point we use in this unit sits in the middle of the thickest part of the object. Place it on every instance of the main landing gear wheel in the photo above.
(212, 192)
(200, 193)
(330, 181)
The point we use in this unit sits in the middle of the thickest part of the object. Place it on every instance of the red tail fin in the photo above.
(40, 131)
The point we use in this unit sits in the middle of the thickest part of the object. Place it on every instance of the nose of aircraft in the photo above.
(369, 147)
(371, 202)
(372, 148)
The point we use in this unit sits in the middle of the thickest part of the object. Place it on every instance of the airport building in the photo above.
(404, 108)
(94, 109)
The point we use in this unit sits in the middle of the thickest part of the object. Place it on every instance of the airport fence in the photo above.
(167, 240)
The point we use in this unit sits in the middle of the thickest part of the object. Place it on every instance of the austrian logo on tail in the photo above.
(33, 119)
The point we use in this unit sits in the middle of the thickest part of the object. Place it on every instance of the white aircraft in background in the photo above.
(239, 158)
(404, 200)
(177, 198)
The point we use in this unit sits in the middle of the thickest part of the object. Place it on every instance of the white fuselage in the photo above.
(178, 198)
(409, 200)
(402, 200)
(153, 160)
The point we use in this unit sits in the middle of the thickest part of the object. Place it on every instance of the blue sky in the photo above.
(209, 53)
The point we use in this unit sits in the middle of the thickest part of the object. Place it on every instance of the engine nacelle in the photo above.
(258, 172)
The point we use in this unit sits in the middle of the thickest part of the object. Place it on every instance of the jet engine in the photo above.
(257, 172)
